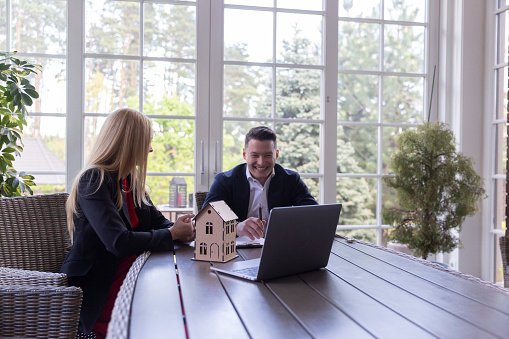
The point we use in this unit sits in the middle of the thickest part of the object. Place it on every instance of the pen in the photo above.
(260, 217)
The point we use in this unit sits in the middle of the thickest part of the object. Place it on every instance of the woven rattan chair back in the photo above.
(118, 327)
(33, 232)
(199, 198)
(39, 311)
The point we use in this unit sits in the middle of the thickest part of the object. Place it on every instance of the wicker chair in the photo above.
(199, 198)
(119, 323)
(35, 300)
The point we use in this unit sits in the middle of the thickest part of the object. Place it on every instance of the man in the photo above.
(254, 188)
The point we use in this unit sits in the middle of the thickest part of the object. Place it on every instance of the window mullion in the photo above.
(75, 90)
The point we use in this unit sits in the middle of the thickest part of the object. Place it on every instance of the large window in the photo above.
(497, 118)
(273, 76)
(336, 79)
(384, 66)
(142, 55)
(37, 30)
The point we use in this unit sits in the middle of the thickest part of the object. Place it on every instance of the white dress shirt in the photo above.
(258, 196)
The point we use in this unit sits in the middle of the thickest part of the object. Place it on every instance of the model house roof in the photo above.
(221, 208)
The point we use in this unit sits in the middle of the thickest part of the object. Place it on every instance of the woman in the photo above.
(111, 218)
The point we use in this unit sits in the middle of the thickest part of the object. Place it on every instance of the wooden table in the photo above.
(364, 292)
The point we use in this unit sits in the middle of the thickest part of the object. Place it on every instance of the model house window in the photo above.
(203, 248)
(232, 245)
(208, 227)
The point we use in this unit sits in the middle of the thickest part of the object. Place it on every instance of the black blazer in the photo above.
(286, 189)
(103, 237)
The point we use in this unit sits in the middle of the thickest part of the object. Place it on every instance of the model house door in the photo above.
(214, 251)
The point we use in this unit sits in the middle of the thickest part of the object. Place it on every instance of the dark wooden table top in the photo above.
(364, 292)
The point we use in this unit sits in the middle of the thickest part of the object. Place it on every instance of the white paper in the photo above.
(244, 241)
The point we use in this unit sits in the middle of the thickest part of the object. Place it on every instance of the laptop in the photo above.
(297, 239)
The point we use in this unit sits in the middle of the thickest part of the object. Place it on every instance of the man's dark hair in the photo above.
(261, 133)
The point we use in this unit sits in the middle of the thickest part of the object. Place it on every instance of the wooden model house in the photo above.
(216, 231)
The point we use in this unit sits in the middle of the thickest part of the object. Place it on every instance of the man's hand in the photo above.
(251, 227)
(183, 229)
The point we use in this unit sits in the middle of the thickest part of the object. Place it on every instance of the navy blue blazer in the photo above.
(286, 189)
(103, 236)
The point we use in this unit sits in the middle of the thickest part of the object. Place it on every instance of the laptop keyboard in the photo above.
(249, 271)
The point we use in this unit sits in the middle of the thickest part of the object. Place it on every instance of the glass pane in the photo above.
(404, 48)
(39, 26)
(502, 78)
(499, 273)
(47, 184)
(44, 148)
(358, 97)
(234, 137)
(167, 82)
(313, 185)
(92, 127)
(50, 84)
(500, 148)
(367, 235)
(405, 10)
(298, 93)
(299, 39)
(159, 190)
(3, 26)
(112, 27)
(403, 99)
(312, 5)
(358, 46)
(259, 3)
(502, 36)
(248, 35)
(358, 196)
(247, 91)
(359, 9)
(357, 149)
(110, 84)
(502, 3)
(389, 200)
(389, 137)
(299, 146)
(499, 193)
(169, 30)
(173, 145)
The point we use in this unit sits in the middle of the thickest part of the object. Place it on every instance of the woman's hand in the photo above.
(183, 229)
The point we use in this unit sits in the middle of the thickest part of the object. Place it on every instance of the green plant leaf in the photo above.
(13, 89)
(32, 93)
(8, 156)
(8, 150)
(26, 99)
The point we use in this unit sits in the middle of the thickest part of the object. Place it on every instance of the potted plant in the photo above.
(436, 187)
(16, 93)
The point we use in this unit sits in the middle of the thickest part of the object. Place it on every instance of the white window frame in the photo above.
(490, 233)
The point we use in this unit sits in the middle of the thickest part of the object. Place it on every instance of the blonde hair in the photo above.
(121, 148)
